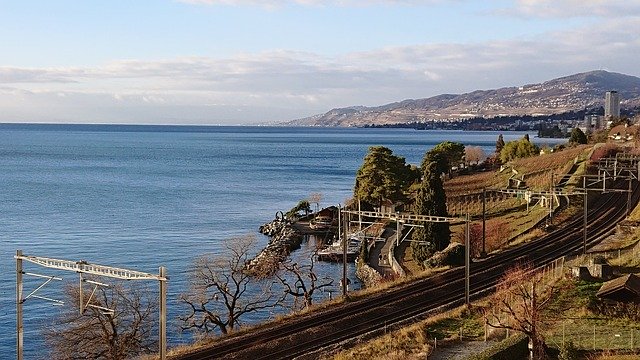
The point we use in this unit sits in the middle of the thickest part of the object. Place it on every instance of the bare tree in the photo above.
(128, 330)
(315, 198)
(517, 305)
(474, 154)
(222, 290)
(475, 239)
(498, 231)
(300, 281)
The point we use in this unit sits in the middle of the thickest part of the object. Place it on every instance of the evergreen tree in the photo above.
(431, 200)
(518, 149)
(577, 137)
(499, 144)
(383, 176)
(446, 155)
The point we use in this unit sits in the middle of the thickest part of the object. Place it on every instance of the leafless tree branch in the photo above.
(222, 291)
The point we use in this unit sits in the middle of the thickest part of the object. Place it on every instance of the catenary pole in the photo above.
(81, 267)
(163, 312)
(584, 218)
(344, 259)
(359, 216)
(19, 325)
(484, 221)
(629, 197)
(551, 188)
(467, 261)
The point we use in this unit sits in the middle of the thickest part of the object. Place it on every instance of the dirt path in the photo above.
(460, 351)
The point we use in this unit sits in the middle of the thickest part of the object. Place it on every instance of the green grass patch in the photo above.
(571, 316)
(471, 325)
(512, 348)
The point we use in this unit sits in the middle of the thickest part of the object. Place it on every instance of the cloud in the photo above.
(574, 8)
(281, 85)
(323, 3)
(19, 75)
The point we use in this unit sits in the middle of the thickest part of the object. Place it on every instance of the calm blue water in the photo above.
(144, 196)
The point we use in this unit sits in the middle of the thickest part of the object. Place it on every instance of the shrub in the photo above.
(604, 151)
(568, 352)
(452, 255)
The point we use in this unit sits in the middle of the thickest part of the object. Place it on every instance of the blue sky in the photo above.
(252, 61)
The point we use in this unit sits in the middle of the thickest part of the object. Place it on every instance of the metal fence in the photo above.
(593, 334)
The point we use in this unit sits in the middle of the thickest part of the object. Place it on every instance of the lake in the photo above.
(141, 197)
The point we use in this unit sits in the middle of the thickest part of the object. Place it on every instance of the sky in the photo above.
(233, 62)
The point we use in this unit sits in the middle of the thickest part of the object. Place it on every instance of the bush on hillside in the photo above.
(452, 255)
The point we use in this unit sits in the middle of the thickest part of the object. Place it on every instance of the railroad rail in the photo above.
(301, 337)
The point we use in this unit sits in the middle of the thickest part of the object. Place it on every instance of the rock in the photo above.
(451, 255)
(284, 239)
(368, 275)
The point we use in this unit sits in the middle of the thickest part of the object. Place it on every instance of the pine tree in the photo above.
(431, 200)
(499, 144)
(383, 176)
(577, 137)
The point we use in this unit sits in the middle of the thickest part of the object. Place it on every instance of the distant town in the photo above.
(553, 126)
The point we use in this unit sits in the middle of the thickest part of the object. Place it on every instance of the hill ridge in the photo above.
(572, 92)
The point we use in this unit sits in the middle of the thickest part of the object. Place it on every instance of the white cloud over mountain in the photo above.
(281, 85)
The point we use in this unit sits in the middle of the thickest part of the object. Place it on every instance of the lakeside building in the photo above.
(591, 123)
(611, 105)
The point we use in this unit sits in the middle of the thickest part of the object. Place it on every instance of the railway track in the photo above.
(303, 336)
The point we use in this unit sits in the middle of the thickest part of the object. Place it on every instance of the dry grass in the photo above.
(511, 210)
(617, 241)
(635, 214)
(408, 262)
(553, 161)
(494, 206)
(515, 228)
(476, 182)
(529, 236)
(415, 341)
(630, 260)
(606, 356)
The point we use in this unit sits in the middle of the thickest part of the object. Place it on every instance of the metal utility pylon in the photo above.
(408, 218)
(83, 267)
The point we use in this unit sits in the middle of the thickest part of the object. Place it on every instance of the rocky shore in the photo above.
(368, 275)
(284, 239)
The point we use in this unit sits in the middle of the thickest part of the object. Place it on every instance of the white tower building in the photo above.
(611, 105)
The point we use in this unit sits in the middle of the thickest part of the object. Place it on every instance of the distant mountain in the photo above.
(575, 92)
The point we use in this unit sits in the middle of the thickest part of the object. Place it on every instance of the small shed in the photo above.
(388, 206)
(327, 212)
(623, 289)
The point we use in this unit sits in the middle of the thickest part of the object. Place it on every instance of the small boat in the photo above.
(320, 223)
(335, 252)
